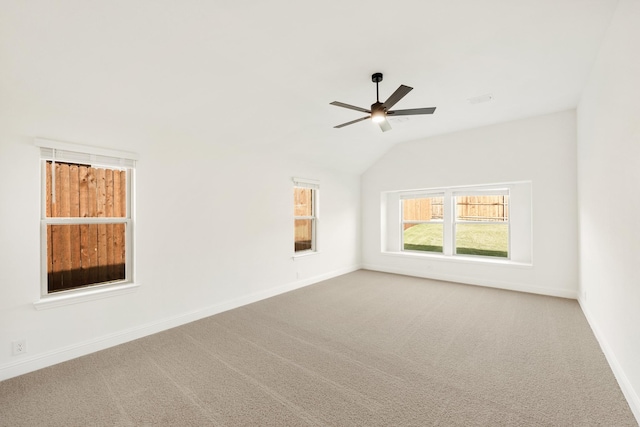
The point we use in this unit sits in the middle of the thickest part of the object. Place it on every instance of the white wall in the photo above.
(214, 230)
(541, 150)
(609, 198)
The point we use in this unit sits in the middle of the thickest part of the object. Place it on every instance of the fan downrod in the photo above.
(376, 78)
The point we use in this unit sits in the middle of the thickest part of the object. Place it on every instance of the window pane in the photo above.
(424, 209)
(482, 208)
(303, 201)
(482, 239)
(84, 191)
(303, 234)
(423, 237)
(87, 254)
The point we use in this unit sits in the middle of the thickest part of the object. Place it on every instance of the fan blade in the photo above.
(351, 107)
(397, 96)
(412, 111)
(351, 122)
(384, 125)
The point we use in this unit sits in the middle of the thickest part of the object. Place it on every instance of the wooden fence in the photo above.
(84, 254)
(468, 208)
(426, 209)
(483, 208)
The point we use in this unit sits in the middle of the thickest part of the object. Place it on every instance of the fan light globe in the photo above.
(377, 116)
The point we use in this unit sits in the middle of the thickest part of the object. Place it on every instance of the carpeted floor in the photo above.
(363, 349)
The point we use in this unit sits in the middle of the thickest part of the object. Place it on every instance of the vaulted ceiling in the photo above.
(260, 74)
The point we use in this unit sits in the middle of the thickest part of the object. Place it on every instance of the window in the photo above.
(86, 218)
(456, 222)
(305, 201)
(422, 223)
(482, 224)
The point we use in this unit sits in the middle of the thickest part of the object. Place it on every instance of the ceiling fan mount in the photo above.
(380, 110)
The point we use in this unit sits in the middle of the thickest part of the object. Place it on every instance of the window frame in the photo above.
(449, 195)
(314, 186)
(61, 152)
(414, 196)
(456, 222)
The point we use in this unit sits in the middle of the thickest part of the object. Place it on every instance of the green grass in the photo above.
(424, 237)
(425, 248)
(471, 239)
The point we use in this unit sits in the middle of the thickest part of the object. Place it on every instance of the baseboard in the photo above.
(632, 396)
(35, 362)
(563, 293)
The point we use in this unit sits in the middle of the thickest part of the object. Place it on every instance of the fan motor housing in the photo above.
(377, 106)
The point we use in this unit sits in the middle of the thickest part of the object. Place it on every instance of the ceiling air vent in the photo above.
(480, 99)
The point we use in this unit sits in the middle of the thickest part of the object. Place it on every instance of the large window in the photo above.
(86, 220)
(456, 222)
(305, 202)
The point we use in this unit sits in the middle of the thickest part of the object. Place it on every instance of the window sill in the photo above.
(83, 295)
(304, 254)
(466, 259)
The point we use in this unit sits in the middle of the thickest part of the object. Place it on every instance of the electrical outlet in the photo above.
(19, 347)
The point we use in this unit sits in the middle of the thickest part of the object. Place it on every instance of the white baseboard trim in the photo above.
(632, 396)
(554, 292)
(39, 361)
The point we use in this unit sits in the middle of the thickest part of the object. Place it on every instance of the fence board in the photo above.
(119, 210)
(118, 194)
(102, 228)
(110, 267)
(64, 242)
(119, 231)
(74, 211)
(92, 232)
(86, 251)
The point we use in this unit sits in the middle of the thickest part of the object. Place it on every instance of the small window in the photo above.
(86, 220)
(482, 225)
(422, 224)
(305, 202)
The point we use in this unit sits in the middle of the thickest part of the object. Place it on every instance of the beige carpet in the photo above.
(364, 349)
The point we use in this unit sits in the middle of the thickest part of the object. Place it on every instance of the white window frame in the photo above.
(314, 185)
(411, 196)
(449, 217)
(480, 192)
(56, 151)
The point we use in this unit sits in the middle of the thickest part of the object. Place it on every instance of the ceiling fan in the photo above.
(380, 110)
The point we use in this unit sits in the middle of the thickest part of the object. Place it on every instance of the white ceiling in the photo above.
(261, 74)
